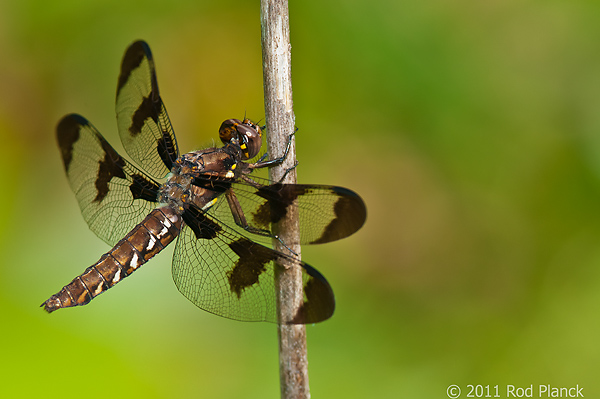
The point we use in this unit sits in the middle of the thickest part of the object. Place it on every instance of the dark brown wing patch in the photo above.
(279, 198)
(202, 226)
(319, 301)
(252, 262)
(132, 59)
(67, 133)
(144, 111)
(350, 215)
(143, 188)
(110, 167)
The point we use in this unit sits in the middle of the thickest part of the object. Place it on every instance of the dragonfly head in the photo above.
(245, 134)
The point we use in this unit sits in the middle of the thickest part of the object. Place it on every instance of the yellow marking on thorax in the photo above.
(230, 173)
(209, 204)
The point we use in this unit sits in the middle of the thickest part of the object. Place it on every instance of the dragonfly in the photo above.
(220, 215)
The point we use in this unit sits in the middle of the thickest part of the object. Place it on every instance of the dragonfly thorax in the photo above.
(199, 177)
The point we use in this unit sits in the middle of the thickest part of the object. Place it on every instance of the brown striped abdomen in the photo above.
(148, 238)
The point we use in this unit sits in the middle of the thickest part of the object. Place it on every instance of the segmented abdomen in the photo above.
(148, 238)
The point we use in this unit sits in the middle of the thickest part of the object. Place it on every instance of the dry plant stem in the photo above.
(280, 119)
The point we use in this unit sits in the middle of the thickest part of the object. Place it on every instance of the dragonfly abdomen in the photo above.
(152, 235)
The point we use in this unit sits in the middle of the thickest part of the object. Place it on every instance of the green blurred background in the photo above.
(471, 129)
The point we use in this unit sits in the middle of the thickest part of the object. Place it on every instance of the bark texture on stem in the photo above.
(280, 119)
